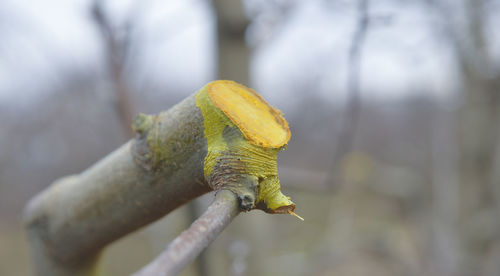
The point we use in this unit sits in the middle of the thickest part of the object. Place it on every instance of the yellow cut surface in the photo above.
(259, 122)
(262, 133)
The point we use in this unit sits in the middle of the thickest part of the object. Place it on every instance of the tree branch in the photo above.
(183, 249)
(116, 51)
(72, 220)
(351, 119)
(176, 156)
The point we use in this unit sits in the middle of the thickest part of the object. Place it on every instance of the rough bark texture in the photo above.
(140, 182)
(191, 242)
(209, 136)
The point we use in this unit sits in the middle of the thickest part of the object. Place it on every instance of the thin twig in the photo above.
(183, 249)
(350, 123)
(201, 262)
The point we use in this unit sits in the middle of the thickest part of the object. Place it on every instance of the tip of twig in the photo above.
(295, 215)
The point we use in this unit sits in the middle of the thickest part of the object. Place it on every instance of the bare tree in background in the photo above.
(233, 53)
(116, 44)
(162, 168)
(478, 132)
(351, 118)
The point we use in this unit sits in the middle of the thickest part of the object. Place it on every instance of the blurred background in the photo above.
(394, 107)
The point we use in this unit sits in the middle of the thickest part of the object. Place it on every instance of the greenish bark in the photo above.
(72, 220)
(165, 166)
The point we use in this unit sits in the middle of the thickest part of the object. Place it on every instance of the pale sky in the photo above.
(402, 53)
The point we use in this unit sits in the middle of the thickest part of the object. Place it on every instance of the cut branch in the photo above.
(351, 119)
(224, 137)
(183, 249)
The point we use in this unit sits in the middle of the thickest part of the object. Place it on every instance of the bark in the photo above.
(191, 242)
(225, 133)
(71, 221)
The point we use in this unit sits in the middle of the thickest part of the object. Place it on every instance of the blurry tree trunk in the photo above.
(478, 130)
(480, 111)
(479, 119)
(445, 241)
(353, 107)
(233, 53)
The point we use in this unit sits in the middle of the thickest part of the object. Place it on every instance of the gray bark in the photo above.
(200, 234)
(72, 220)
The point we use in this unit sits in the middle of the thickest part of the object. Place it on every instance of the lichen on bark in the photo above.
(223, 137)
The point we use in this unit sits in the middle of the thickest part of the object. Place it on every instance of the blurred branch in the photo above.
(201, 262)
(183, 249)
(466, 33)
(494, 176)
(233, 53)
(445, 212)
(118, 48)
(478, 118)
(480, 111)
(351, 119)
(115, 48)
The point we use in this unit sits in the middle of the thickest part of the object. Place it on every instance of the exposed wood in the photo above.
(235, 152)
(176, 156)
